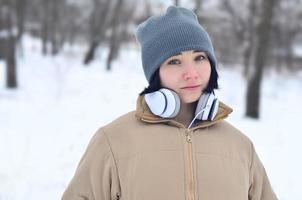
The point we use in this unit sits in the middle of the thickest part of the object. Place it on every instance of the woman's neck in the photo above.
(186, 113)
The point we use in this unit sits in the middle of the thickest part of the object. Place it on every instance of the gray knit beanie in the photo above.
(163, 36)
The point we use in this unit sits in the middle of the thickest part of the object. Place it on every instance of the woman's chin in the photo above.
(190, 98)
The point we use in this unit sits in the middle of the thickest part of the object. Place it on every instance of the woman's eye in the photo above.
(200, 57)
(174, 62)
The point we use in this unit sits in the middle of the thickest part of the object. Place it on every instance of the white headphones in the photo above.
(166, 103)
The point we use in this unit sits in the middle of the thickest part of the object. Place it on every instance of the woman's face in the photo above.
(187, 73)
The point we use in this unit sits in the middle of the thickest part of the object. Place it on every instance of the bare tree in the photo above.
(21, 6)
(8, 40)
(45, 26)
(73, 25)
(244, 27)
(261, 49)
(55, 20)
(287, 27)
(198, 6)
(249, 35)
(98, 25)
(52, 18)
(119, 29)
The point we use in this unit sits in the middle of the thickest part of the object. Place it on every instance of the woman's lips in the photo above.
(191, 87)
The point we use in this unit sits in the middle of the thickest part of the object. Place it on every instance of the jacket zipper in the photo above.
(117, 196)
(190, 167)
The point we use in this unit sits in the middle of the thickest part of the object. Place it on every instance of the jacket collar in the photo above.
(143, 113)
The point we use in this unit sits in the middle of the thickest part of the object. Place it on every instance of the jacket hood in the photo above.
(144, 113)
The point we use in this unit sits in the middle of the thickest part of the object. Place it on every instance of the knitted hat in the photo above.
(163, 36)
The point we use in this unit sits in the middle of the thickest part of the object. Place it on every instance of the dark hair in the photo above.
(156, 85)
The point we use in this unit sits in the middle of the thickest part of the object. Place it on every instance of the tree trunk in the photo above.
(45, 28)
(249, 39)
(198, 4)
(247, 52)
(176, 2)
(98, 26)
(90, 53)
(278, 40)
(113, 50)
(289, 46)
(114, 39)
(54, 27)
(254, 83)
(2, 38)
(289, 55)
(11, 73)
(20, 10)
(8, 40)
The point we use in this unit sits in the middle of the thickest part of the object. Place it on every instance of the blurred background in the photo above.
(68, 67)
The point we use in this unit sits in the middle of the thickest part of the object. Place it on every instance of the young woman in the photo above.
(176, 145)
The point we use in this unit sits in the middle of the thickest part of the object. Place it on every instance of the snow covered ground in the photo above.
(46, 124)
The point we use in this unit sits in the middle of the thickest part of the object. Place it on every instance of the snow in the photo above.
(298, 50)
(7, 33)
(46, 124)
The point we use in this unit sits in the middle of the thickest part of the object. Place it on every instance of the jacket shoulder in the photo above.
(231, 132)
(122, 123)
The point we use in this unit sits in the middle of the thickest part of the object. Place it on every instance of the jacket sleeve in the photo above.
(260, 187)
(96, 175)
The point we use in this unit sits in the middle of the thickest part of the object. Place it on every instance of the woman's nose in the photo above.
(190, 72)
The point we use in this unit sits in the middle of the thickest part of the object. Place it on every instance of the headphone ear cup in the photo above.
(202, 102)
(177, 105)
(156, 102)
(172, 103)
(214, 109)
(209, 104)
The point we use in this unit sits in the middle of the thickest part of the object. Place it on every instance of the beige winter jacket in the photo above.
(143, 157)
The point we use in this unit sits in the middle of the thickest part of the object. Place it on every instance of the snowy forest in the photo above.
(66, 65)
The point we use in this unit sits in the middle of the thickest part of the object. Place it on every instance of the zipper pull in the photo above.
(117, 196)
(188, 137)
